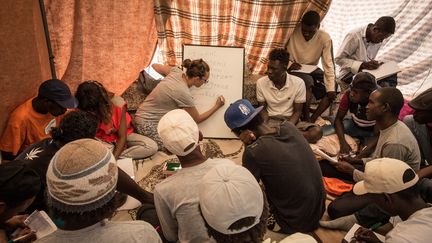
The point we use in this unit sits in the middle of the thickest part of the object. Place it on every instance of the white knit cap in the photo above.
(228, 193)
(179, 132)
(386, 175)
(81, 177)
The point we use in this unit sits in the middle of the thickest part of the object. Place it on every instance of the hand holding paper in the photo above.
(325, 156)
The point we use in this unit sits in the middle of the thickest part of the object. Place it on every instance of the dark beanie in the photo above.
(18, 182)
(364, 81)
(423, 102)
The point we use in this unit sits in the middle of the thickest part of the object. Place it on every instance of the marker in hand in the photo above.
(220, 101)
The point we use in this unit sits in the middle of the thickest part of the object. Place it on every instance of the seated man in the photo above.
(354, 101)
(32, 121)
(82, 180)
(360, 47)
(73, 126)
(307, 45)
(176, 197)
(282, 159)
(395, 139)
(392, 185)
(19, 186)
(420, 123)
(233, 205)
(281, 94)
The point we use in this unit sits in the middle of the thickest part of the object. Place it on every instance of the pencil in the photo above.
(375, 226)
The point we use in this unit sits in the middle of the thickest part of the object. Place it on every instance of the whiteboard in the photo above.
(226, 78)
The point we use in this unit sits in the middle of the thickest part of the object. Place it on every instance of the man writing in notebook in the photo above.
(354, 101)
(395, 141)
(307, 45)
(360, 47)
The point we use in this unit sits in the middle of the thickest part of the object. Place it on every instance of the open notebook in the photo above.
(385, 70)
(40, 222)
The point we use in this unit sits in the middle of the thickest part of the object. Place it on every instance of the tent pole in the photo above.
(47, 38)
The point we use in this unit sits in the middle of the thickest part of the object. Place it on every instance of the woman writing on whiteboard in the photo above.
(173, 93)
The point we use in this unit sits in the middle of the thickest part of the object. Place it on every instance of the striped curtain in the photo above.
(410, 46)
(256, 25)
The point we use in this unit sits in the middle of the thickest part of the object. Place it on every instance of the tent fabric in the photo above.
(258, 26)
(110, 41)
(410, 46)
(24, 57)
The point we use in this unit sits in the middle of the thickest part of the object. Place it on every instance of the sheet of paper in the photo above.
(298, 238)
(40, 222)
(385, 70)
(126, 165)
(306, 68)
(351, 232)
(325, 156)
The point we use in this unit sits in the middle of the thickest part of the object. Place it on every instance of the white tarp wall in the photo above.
(410, 46)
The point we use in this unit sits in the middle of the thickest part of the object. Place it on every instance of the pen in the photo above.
(375, 226)
(18, 238)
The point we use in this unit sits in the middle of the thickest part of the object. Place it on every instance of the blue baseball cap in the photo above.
(240, 113)
(57, 91)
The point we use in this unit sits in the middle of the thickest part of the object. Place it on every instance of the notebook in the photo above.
(385, 70)
(353, 229)
(306, 68)
(40, 222)
(325, 156)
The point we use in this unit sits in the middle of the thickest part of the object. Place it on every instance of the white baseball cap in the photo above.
(228, 193)
(179, 132)
(386, 175)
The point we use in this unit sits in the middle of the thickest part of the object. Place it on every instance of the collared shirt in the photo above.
(280, 102)
(355, 50)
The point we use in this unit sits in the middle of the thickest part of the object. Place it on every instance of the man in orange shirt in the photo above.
(32, 121)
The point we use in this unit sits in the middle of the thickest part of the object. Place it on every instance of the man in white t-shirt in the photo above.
(283, 95)
(177, 197)
(392, 185)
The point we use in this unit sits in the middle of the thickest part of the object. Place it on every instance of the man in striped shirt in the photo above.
(354, 100)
